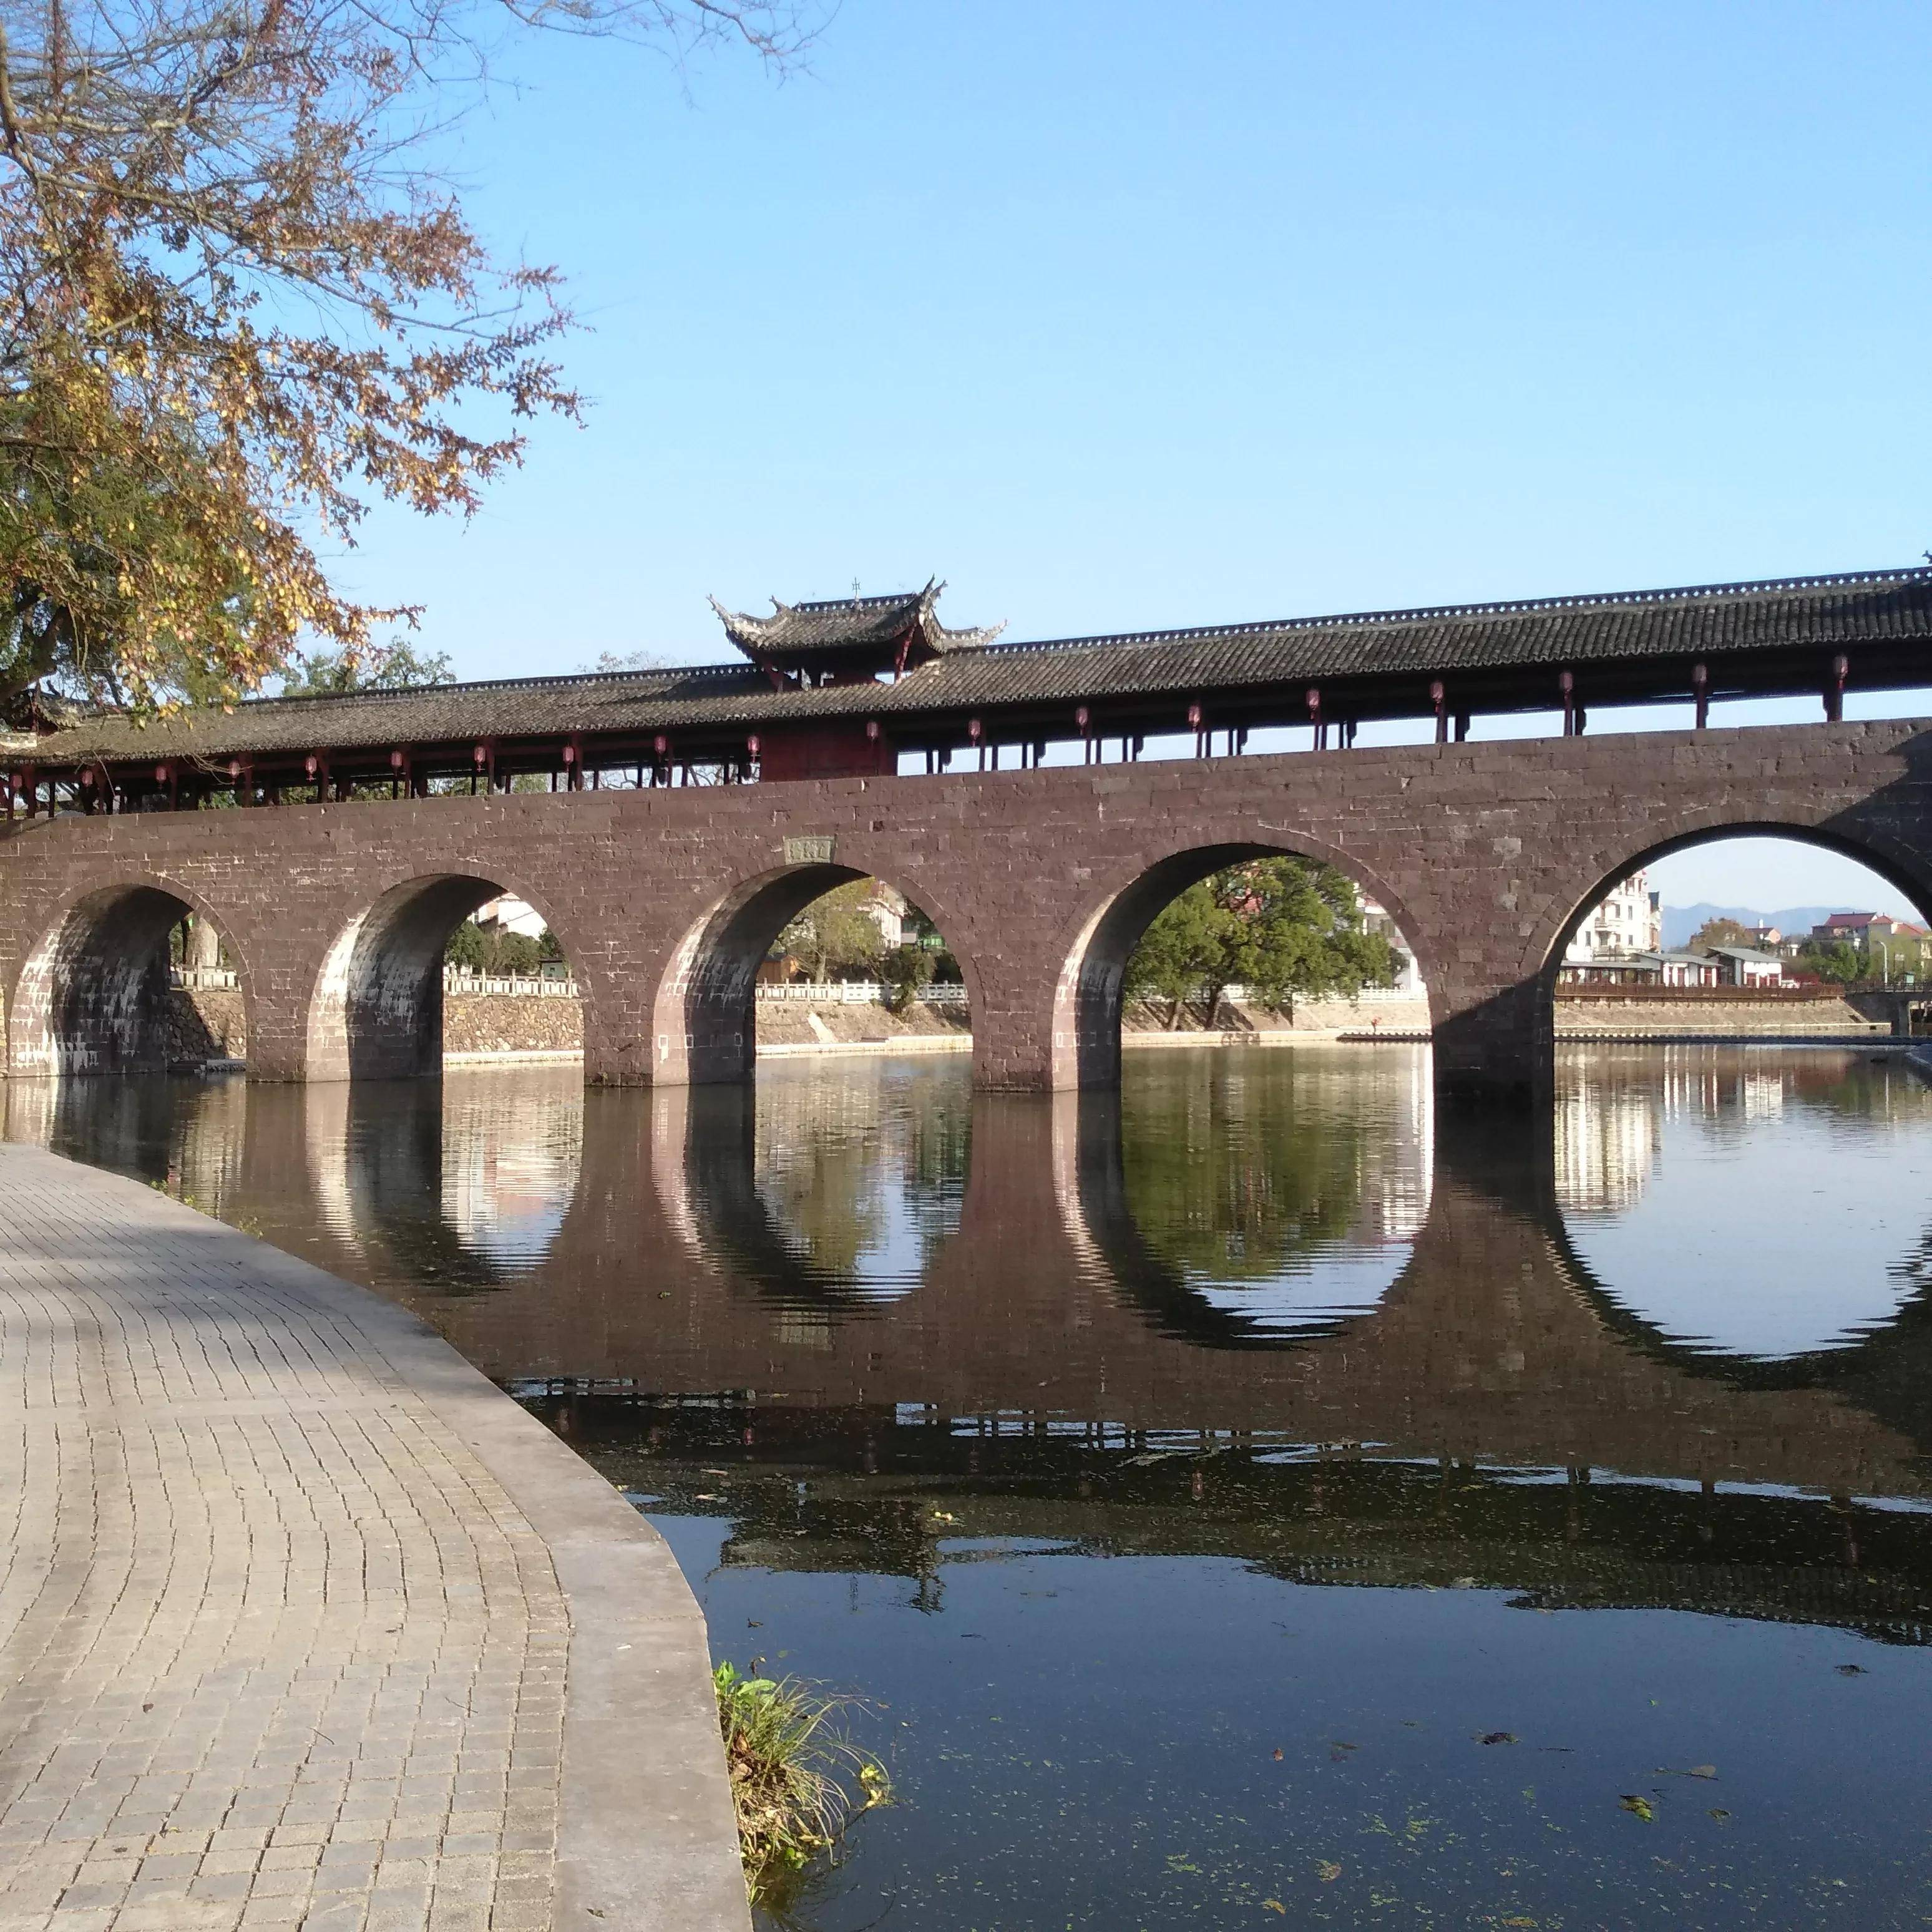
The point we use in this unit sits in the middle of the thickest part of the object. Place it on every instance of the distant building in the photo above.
(1861, 928)
(1688, 969)
(1746, 966)
(509, 914)
(1408, 974)
(1628, 922)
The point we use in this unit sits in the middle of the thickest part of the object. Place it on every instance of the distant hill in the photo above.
(1680, 922)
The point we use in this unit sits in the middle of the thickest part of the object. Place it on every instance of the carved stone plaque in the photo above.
(816, 850)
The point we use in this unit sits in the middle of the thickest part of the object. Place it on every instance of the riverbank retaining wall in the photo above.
(208, 1026)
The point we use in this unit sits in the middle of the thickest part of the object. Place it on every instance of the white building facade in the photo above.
(1629, 920)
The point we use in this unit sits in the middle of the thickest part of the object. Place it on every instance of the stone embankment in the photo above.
(1832, 1016)
(305, 1623)
(206, 1026)
(499, 1026)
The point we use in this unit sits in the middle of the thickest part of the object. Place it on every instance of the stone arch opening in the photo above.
(1090, 1001)
(133, 978)
(1633, 932)
(376, 1012)
(706, 1019)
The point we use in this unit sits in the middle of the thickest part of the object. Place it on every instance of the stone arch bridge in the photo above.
(1485, 855)
(335, 900)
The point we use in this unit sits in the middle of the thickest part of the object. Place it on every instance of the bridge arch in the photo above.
(1905, 867)
(92, 995)
(375, 1009)
(1088, 998)
(704, 1020)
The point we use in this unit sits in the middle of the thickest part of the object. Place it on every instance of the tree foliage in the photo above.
(1719, 932)
(1284, 929)
(1837, 960)
(836, 933)
(398, 665)
(492, 950)
(238, 305)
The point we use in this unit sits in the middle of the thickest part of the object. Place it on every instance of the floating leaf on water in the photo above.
(1851, 1670)
(1498, 1737)
(1639, 1806)
(1328, 1871)
(1718, 1812)
(1274, 1905)
(1703, 1771)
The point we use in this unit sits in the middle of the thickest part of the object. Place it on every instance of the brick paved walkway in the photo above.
(277, 1647)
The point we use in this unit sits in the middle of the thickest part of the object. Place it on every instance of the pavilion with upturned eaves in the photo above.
(850, 639)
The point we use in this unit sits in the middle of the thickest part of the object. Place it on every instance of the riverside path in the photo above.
(304, 1623)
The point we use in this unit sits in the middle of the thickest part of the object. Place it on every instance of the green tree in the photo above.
(1719, 932)
(834, 932)
(1283, 928)
(903, 969)
(490, 950)
(1837, 960)
(396, 666)
(240, 302)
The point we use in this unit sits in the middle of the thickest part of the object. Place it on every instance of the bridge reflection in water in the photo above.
(1281, 1246)
(1091, 1387)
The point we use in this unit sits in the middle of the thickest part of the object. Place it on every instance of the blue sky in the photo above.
(1131, 315)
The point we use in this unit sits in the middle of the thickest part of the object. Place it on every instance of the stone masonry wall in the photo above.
(507, 1023)
(1484, 854)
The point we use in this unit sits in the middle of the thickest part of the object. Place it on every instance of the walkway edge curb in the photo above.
(647, 1840)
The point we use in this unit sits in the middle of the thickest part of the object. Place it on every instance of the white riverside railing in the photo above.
(1369, 996)
(203, 978)
(528, 985)
(855, 993)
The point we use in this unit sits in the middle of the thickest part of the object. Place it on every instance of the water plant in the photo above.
(797, 1778)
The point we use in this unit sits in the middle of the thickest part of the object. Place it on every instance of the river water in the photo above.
(1252, 1500)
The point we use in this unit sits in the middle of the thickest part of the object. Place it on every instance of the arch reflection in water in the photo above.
(831, 1193)
(1274, 1197)
(1752, 1207)
(462, 1183)
(184, 1134)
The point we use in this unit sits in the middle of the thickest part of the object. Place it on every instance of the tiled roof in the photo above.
(847, 627)
(1892, 608)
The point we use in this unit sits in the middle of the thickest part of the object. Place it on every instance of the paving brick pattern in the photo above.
(276, 1649)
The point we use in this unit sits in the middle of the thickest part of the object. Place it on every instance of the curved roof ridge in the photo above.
(542, 681)
(1424, 613)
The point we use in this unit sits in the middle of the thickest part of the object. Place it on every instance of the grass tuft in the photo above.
(797, 1779)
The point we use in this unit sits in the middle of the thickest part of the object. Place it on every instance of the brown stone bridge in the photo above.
(336, 913)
